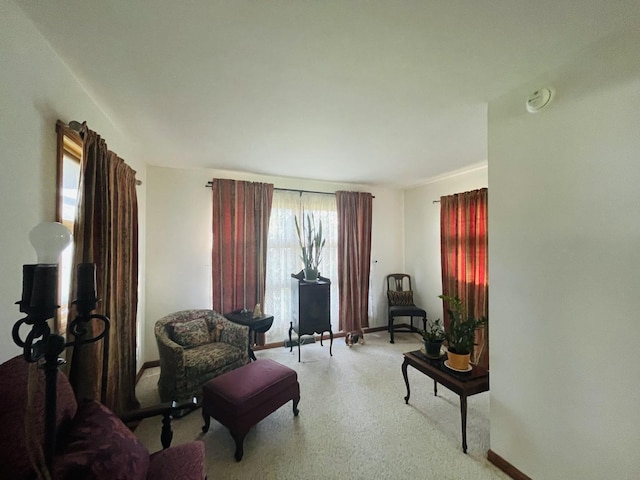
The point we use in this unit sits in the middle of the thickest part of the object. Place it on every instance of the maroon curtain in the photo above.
(240, 226)
(463, 230)
(354, 259)
(106, 233)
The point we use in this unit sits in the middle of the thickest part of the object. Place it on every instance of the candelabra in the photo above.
(40, 302)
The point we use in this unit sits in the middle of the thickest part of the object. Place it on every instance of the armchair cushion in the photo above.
(101, 446)
(191, 334)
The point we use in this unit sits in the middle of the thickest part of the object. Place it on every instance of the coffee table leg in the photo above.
(406, 380)
(435, 388)
(463, 414)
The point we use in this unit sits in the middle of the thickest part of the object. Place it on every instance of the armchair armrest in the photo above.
(168, 410)
(234, 333)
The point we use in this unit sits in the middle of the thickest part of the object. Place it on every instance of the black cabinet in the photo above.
(311, 308)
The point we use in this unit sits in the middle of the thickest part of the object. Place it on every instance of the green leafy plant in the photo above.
(434, 331)
(311, 244)
(461, 334)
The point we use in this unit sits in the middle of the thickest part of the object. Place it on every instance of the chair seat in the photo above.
(407, 311)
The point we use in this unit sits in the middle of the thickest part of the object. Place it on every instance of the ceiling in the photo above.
(362, 91)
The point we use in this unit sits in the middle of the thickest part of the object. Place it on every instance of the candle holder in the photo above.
(39, 303)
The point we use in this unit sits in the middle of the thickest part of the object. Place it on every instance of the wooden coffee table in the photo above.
(464, 384)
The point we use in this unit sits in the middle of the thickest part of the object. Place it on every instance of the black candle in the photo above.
(86, 276)
(28, 271)
(44, 294)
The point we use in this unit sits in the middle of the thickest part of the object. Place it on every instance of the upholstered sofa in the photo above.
(91, 442)
(196, 346)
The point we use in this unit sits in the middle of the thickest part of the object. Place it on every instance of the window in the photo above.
(69, 158)
(283, 254)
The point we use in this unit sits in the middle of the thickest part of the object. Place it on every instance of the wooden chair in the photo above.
(400, 303)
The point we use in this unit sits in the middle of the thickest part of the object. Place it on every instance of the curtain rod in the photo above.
(77, 127)
(209, 184)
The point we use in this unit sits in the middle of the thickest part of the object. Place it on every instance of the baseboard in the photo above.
(145, 365)
(505, 466)
(156, 363)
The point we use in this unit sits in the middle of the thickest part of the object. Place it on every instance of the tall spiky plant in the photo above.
(311, 245)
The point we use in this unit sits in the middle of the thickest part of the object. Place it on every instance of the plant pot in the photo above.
(457, 361)
(432, 348)
(310, 275)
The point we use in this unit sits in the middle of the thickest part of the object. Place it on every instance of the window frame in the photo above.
(70, 145)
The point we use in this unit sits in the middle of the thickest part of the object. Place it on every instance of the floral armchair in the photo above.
(196, 346)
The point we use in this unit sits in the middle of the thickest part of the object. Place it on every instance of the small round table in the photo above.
(256, 324)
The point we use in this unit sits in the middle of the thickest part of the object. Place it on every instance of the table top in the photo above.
(436, 369)
(247, 318)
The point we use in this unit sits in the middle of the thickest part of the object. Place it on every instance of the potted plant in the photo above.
(461, 334)
(433, 336)
(311, 244)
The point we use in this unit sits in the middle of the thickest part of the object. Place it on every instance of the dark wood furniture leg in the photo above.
(390, 323)
(406, 379)
(330, 343)
(463, 414)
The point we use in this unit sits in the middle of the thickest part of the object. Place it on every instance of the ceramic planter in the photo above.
(457, 361)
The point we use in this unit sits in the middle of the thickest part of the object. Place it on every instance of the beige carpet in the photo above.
(353, 422)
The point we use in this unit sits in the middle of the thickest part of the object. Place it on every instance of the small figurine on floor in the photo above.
(353, 338)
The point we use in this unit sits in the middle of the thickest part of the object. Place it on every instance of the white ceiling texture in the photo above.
(388, 92)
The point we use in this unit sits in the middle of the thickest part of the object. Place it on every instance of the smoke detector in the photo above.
(539, 99)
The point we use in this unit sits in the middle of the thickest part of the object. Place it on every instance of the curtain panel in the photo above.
(354, 258)
(464, 249)
(106, 233)
(240, 227)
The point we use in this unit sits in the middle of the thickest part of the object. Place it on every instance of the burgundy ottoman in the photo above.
(242, 397)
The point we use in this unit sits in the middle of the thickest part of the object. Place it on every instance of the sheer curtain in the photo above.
(283, 254)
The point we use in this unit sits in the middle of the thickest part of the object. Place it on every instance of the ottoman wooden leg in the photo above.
(207, 422)
(295, 406)
(239, 439)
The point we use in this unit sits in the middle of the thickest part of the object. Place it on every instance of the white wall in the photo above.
(179, 229)
(564, 256)
(36, 89)
(422, 225)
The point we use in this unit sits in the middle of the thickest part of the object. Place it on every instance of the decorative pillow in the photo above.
(402, 297)
(192, 333)
(100, 446)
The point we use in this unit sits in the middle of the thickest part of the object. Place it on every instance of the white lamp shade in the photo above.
(49, 239)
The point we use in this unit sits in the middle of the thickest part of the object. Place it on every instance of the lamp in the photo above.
(39, 301)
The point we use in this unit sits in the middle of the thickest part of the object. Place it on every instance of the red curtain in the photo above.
(240, 226)
(463, 230)
(354, 259)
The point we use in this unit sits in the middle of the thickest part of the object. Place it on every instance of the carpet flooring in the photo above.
(353, 421)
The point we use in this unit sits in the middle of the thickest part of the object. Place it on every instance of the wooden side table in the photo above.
(464, 384)
(259, 324)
